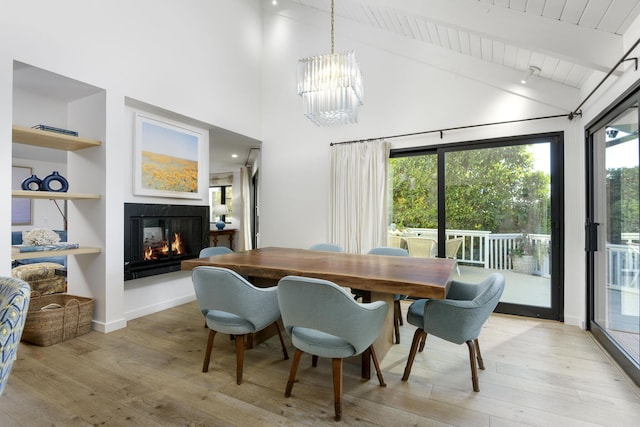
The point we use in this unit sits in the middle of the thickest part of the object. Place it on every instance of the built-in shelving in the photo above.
(54, 195)
(63, 252)
(58, 141)
(48, 139)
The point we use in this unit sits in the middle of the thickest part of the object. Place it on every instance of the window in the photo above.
(220, 195)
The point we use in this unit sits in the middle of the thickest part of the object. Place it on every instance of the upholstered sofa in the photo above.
(16, 239)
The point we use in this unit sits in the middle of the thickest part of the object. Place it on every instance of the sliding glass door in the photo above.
(613, 233)
(493, 206)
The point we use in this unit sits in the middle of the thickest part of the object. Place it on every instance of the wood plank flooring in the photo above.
(538, 373)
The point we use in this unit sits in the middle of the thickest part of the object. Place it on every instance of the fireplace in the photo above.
(158, 237)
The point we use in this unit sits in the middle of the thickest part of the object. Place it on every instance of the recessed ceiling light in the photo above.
(234, 156)
(274, 2)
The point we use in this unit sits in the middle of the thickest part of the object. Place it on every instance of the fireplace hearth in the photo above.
(157, 238)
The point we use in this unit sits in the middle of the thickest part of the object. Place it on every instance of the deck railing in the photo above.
(491, 250)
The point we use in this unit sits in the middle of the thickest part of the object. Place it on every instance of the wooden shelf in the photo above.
(64, 252)
(53, 195)
(58, 141)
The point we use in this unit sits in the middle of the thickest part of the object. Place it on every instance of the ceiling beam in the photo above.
(591, 48)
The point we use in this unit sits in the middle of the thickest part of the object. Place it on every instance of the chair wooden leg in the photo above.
(239, 357)
(377, 366)
(207, 352)
(284, 348)
(423, 341)
(337, 387)
(478, 354)
(472, 360)
(314, 361)
(417, 337)
(292, 374)
(397, 320)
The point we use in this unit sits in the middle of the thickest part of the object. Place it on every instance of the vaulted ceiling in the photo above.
(567, 40)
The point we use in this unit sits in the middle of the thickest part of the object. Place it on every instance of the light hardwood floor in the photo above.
(538, 373)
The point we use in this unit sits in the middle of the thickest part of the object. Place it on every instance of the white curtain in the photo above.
(244, 243)
(359, 195)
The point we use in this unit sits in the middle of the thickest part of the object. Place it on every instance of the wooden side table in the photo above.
(215, 234)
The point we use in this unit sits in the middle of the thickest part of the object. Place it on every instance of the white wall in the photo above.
(196, 58)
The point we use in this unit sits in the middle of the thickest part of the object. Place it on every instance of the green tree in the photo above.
(495, 189)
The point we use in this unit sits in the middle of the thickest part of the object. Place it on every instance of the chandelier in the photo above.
(330, 86)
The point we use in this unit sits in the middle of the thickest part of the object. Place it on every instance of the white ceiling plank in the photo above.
(510, 54)
(577, 76)
(454, 40)
(498, 53)
(444, 37)
(501, 3)
(476, 45)
(413, 24)
(630, 20)
(616, 16)
(424, 31)
(486, 49)
(573, 11)
(519, 5)
(535, 7)
(548, 67)
(465, 42)
(562, 70)
(523, 59)
(585, 46)
(433, 33)
(553, 9)
(594, 12)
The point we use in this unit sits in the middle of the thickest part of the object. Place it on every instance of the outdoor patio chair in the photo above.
(451, 248)
(421, 247)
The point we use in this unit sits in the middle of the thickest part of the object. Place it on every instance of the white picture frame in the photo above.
(169, 159)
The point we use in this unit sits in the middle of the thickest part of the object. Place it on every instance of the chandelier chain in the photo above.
(332, 45)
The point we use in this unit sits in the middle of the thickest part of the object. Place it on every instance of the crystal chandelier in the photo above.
(330, 86)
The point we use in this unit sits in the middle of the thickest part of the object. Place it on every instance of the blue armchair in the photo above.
(324, 320)
(14, 303)
(457, 319)
(214, 250)
(234, 306)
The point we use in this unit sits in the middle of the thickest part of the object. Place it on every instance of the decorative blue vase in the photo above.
(54, 177)
(32, 183)
(220, 225)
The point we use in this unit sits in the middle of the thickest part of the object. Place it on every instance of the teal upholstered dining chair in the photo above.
(397, 310)
(14, 303)
(324, 320)
(327, 247)
(214, 250)
(234, 306)
(458, 319)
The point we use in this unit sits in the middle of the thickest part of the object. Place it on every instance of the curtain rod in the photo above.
(570, 116)
(441, 131)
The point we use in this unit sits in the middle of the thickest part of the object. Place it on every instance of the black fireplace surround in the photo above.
(157, 238)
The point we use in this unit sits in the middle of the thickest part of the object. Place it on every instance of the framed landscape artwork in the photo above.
(20, 208)
(168, 159)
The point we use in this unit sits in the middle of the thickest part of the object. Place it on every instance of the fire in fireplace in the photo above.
(158, 237)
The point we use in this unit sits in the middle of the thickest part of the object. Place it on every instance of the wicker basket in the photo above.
(58, 317)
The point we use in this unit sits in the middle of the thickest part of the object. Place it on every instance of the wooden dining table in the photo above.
(382, 276)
